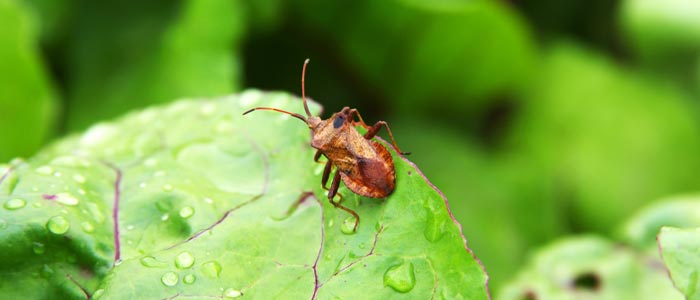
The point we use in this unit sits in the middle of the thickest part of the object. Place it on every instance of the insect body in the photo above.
(364, 165)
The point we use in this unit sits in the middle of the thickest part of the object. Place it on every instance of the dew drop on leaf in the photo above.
(46, 271)
(434, 225)
(152, 262)
(186, 212)
(348, 225)
(169, 279)
(79, 178)
(232, 293)
(14, 204)
(67, 199)
(184, 260)
(87, 227)
(189, 279)
(44, 170)
(38, 248)
(58, 225)
(212, 269)
(400, 277)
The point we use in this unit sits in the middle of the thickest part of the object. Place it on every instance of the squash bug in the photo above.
(364, 165)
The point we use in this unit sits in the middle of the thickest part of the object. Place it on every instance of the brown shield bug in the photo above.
(364, 165)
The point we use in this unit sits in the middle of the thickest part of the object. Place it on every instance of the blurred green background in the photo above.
(537, 119)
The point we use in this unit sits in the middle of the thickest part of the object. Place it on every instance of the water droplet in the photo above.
(184, 260)
(44, 170)
(79, 178)
(434, 225)
(152, 262)
(207, 109)
(212, 269)
(167, 188)
(151, 162)
(46, 271)
(165, 217)
(248, 98)
(232, 293)
(95, 212)
(14, 204)
(348, 225)
(87, 227)
(401, 277)
(169, 279)
(58, 225)
(97, 294)
(189, 279)
(38, 248)
(67, 199)
(186, 212)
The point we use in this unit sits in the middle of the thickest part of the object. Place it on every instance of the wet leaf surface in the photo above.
(193, 200)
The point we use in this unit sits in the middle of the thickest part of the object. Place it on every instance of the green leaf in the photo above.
(476, 182)
(27, 100)
(662, 30)
(679, 211)
(204, 202)
(170, 49)
(613, 141)
(591, 267)
(679, 250)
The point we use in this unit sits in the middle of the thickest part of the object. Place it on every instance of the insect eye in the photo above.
(339, 120)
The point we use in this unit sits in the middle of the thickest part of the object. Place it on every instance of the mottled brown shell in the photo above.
(374, 178)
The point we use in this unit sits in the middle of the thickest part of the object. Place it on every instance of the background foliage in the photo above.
(537, 119)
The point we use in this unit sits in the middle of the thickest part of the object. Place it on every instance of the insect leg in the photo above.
(326, 174)
(333, 191)
(353, 112)
(317, 156)
(372, 131)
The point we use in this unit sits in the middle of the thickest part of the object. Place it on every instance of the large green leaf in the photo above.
(192, 200)
(27, 100)
(680, 251)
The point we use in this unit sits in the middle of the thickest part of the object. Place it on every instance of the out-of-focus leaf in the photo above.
(662, 30)
(481, 186)
(591, 268)
(612, 141)
(642, 229)
(679, 250)
(192, 199)
(27, 100)
(425, 55)
(168, 50)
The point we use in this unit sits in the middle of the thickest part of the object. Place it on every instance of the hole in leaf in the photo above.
(529, 295)
(587, 281)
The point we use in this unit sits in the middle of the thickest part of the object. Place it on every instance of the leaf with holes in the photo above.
(680, 251)
(193, 200)
(591, 267)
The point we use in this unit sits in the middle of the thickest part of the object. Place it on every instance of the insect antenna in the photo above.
(296, 115)
(303, 92)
